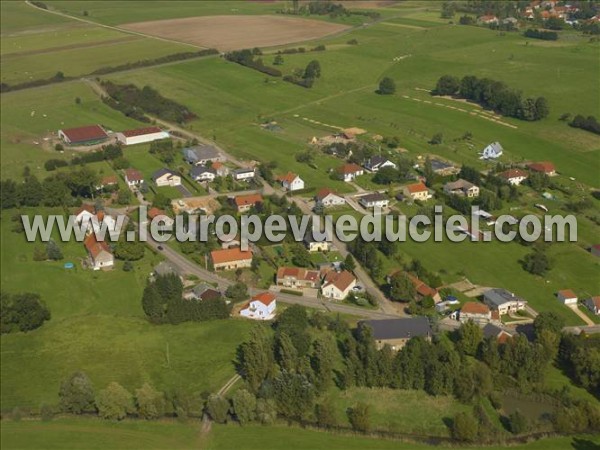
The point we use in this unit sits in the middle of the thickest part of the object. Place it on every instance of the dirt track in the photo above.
(236, 32)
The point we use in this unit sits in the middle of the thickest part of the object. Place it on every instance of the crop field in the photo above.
(236, 32)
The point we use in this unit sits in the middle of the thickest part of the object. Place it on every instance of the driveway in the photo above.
(184, 191)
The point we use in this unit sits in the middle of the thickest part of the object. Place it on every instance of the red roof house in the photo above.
(83, 135)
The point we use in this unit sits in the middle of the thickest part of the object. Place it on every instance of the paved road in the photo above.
(184, 191)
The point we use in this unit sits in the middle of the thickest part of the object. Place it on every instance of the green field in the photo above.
(82, 434)
(98, 326)
(89, 434)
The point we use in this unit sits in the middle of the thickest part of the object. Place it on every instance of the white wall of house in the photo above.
(258, 310)
(168, 180)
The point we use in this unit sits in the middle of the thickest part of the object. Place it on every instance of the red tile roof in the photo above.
(94, 247)
(266, 298)
(217, 165)
(349, 168)
(341, 280)
(298, 273)
(544, 166)
(567, 293)
(84, 134)
(596, 301)
(475, 308)
(133, 175)
(422, 288)
(153, 212)
(324, 192)
(250, 199)
(86, 207)
(416, 187)
(109, 179)
(513, 173)
(229, 255)
(141, 131)
(287, 178)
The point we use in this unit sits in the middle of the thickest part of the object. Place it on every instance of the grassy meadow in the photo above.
(98, 326)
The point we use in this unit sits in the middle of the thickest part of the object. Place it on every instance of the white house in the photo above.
(503, 301)
(203, 173)
(567, 297)
(133, 177)
(85, 214)
(314, 245)
(492, 151)
(291, 182)
(100, 256)
(461, 187)
(327, 197)
(348, 172)
(514, 176)
(337, 285)
(166, 177)
(374, 200)
(141, 135)
(379, 162)
(260, 307)
(245, 174)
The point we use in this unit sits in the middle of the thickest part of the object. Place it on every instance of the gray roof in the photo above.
(491, 330)
(201, 152)
(375, 197)
(399, 328)
(199, 170)
(244, 170)
(499, 296)
(160, 172)
(436, 165)
(378, 159)
(458, 184)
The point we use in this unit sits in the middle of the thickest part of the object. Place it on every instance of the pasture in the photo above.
(98, 326)
(31, 115)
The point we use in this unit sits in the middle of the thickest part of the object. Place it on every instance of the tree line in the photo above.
(134, 102)
(494, 95)
(590, 123)
(247, 58)
(60, 76)
(541, 34)
(163, 302)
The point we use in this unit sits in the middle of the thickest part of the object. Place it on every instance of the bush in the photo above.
(16, 414)
(387, 86)
(114, 402)
(77, 394)
(359, 418)
(22, 312)
(47, 413)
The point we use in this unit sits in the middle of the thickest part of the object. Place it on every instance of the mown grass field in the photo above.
(98, 326)
(89, 434)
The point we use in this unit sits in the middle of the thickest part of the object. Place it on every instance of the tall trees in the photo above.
(217, 408)
(150, 402)
(255, 358)
(76, 394)
(294, 395)
(402, 288)
(244, 406)
(464, 427)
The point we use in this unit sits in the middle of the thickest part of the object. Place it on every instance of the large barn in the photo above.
(141, 135)
(88, 135)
